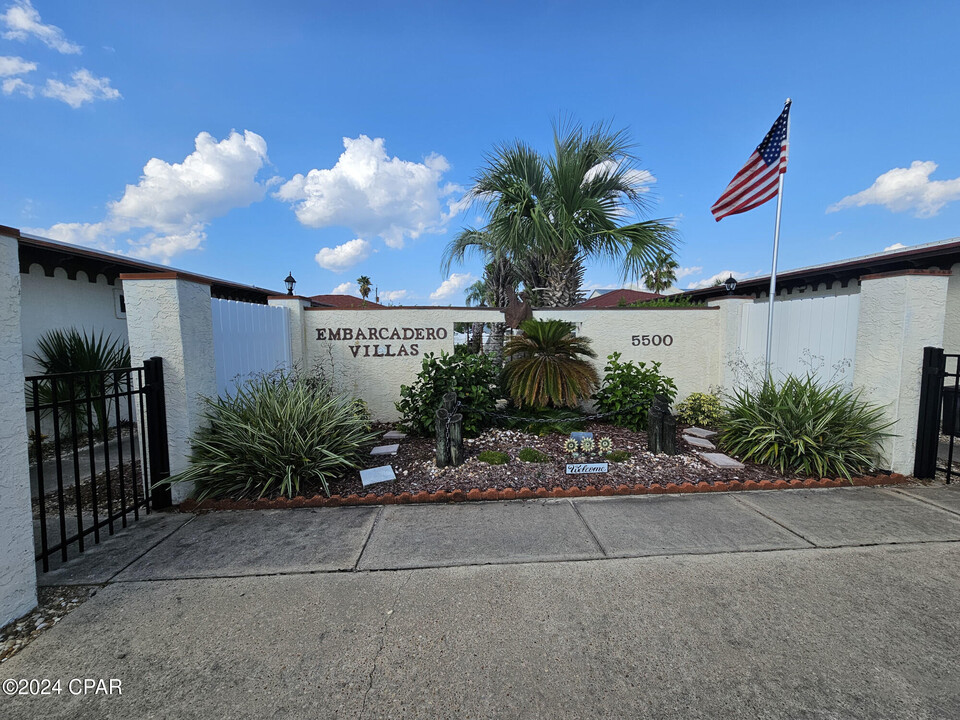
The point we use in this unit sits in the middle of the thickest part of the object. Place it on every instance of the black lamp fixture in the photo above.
(730, 284)
(290, 281)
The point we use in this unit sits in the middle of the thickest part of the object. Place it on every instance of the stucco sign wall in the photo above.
(371, 353)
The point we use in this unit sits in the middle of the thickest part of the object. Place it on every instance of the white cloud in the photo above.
(11, 65)
(393, 295)
(12, 85)
(454, 283)
(86, 87)
(721, 276)
(22, 21)
(904, 189)
(895, 246)
(374, 194)
(683, 272)
(174, 202)
(641, 180)
(346, 288)
(341, 257)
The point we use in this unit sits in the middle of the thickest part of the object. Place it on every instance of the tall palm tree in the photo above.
(364, 283)
(570, 208)
(476, 294)
(661, 272)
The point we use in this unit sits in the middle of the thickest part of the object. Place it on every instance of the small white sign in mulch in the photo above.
(586, 468)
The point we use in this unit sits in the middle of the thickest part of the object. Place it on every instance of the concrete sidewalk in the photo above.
(809, 603)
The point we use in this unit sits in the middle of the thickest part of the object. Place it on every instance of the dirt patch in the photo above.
(53, 603)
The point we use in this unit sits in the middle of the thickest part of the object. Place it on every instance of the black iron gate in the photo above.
(98, 445)
(938, 424)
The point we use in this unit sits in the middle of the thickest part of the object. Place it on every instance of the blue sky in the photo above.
(247, 139)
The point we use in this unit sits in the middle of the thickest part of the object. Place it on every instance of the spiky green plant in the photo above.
(279, 434)
(547, 366)
(803, 427)
(73, 351)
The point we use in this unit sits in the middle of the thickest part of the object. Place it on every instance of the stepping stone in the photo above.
(395, 435)
(699, 442)
(578, 436)
(722, 461)
(377, 475)
(385, 450)
(700, 432)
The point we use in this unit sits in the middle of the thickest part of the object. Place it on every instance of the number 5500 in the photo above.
(655, 340)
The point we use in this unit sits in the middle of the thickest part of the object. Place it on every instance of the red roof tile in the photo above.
(346, 302)
(612, 299)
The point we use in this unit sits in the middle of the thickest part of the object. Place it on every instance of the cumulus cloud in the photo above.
(23, 22)
(12, 85)
(167, 211)
(12, 65)
(453, 284)
(683, 272)
(393, 295)
(346, 288)
(86, 87)
(641, 180)
(720, 276)
(895, 246)
(904, 189)
(341, 257)
(375, 195)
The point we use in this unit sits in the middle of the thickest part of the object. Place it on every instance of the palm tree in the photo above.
(364, 282)
(570, 208)
(661, 272)
(547, 365)
(476, 295)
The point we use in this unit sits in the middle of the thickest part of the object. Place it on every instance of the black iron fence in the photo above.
(98, 445)
(938, 424)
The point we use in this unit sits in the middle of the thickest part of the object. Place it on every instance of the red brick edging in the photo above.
(475, 495)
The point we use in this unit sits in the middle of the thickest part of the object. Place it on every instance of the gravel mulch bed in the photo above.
(131, 478)
(53, 604)
(416, 470)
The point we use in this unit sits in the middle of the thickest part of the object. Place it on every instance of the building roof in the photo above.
(614, 298)
(941, 255)
(51, 254)
(344, 302)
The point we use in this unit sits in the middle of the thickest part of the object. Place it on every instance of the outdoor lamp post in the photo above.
(290, 281)
(730, 284)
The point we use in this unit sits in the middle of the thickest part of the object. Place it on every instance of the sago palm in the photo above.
(547, 365)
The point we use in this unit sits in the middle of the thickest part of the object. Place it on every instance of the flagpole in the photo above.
(773, 271)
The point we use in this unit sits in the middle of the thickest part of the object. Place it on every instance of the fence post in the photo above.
(18, 575)
(157, 443)
(928, 432)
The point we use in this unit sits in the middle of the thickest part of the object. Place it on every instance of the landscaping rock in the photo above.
(699, 432)
(395, 435)
(385, 450)
(699, 442)
(376, 475)
(720, 460)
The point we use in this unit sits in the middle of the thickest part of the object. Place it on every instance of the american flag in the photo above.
(757, 181)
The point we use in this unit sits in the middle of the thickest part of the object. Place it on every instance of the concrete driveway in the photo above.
(840, 603)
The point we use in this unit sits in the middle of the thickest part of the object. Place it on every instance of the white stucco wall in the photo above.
(18, 579)
(900, 314)
(51, 303)
(171, 318)
(692, 358)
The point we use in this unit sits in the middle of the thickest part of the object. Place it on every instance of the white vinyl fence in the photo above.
(811, 335)
(248, 339)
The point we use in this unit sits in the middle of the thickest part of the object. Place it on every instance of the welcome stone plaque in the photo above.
(586, 468)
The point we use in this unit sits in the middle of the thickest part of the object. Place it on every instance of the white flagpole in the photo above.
(773, 271)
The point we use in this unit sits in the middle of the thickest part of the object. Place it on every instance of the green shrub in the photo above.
(671, 301)
(702, 409)
(532, 455)
(546, 365)
(278, 434)
(628, 391)
(475, 379)
(544, 421)
(493, 457)
(805, 428)
(617, 456)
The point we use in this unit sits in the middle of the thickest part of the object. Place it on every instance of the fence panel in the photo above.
(248, 339)
(811, 334)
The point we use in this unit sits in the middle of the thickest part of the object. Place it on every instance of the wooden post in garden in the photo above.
(655, 428)
(443, 445)
(456, 440)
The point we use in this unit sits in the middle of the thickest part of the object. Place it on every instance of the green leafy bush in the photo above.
(475, 379)
(702, 409)
(493, 457)
(280, 433)
(546, 365)
(617, 456)
(670, 301)
(803, 427)
(532, 455)
(628, 391)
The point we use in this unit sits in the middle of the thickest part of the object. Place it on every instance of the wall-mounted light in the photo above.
(730, 284)
(291, 282)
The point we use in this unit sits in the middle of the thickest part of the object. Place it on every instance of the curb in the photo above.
(477, 495)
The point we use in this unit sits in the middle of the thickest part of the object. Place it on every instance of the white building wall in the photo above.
(52, 303)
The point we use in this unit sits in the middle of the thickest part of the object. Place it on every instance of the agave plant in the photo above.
(72, 351)
(547, 365)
